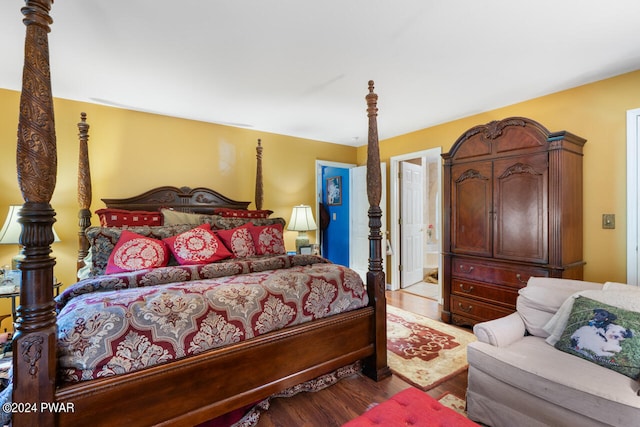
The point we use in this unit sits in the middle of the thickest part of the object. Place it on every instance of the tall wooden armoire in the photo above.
(513, 209)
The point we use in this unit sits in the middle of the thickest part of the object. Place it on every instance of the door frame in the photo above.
(633, 186)
(319, 182)
(394, 214)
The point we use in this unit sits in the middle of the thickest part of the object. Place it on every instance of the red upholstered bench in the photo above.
(411, 407)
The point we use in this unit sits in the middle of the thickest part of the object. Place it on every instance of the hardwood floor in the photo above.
(351, 396)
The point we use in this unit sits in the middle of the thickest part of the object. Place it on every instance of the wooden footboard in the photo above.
(190, 390)
(198, 388)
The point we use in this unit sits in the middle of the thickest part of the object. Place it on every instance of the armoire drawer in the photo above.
(485, 292)
(477, 310)
(492, 272)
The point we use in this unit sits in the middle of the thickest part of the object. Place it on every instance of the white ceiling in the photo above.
(300, 67)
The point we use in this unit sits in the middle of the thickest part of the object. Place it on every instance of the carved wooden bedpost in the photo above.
(34, 341)
(259, 185)
(84, 190)
(376, 368)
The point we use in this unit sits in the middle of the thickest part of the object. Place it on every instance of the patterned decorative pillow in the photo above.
(197, 246)
(241, 213)
(102, 240)
(227, 223)
(603, 334)
(238, 240)
(135, 252)
(268, 239)
(110, 217)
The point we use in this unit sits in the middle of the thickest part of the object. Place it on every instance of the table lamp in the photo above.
(301, 221)
(11, 230)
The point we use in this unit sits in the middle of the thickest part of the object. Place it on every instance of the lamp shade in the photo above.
(301, 219)
(10, 233)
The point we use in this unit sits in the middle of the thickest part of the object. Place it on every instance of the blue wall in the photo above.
(335, 238)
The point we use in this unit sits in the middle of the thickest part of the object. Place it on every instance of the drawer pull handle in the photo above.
(467, 291)
(465, 309)
(466, 269)
(519, 277)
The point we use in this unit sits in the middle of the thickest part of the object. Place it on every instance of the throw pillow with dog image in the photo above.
(603, 334)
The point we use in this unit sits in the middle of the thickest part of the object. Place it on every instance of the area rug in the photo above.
(454, 402)
(422, 351)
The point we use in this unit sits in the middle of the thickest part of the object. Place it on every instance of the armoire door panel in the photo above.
(471, 214)
(521, 206)
(513, 210)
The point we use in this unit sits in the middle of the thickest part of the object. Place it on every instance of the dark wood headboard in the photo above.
(197, 200)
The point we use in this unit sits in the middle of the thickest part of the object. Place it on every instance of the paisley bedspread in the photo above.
(121, 323)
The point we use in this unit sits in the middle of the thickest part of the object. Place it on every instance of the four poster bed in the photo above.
(203, 376)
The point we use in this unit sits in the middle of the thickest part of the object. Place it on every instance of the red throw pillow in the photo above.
(197, 246)
(238, 240)
(110, 217)
(268, 239)
(241, 213)
(135, 252)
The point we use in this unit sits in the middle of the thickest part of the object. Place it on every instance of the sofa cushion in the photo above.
(603, 334)
(623, 298)
(542, 297)
(559, 378)
(616, 286)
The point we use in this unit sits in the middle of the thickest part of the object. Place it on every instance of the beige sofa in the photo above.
(518, 379)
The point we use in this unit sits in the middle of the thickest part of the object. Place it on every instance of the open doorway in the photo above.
(416, 222)
(345, 237)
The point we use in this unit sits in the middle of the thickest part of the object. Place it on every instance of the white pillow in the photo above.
(548, 293)
(543, 296)
(622, 286)
(627, 299)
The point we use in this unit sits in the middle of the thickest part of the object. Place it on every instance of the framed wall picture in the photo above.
(334, 191)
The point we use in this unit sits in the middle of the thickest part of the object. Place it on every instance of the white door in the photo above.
(633, 204)
(359, 221)
(411, 224)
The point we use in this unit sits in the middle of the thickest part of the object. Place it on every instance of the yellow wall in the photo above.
(596, 112)
(131, 152)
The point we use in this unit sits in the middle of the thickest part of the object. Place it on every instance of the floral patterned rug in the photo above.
(422, 351)
(454, 402)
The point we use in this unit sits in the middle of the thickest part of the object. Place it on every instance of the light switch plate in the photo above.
(609, 221)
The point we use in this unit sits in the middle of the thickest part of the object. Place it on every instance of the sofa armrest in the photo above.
(501, 332)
